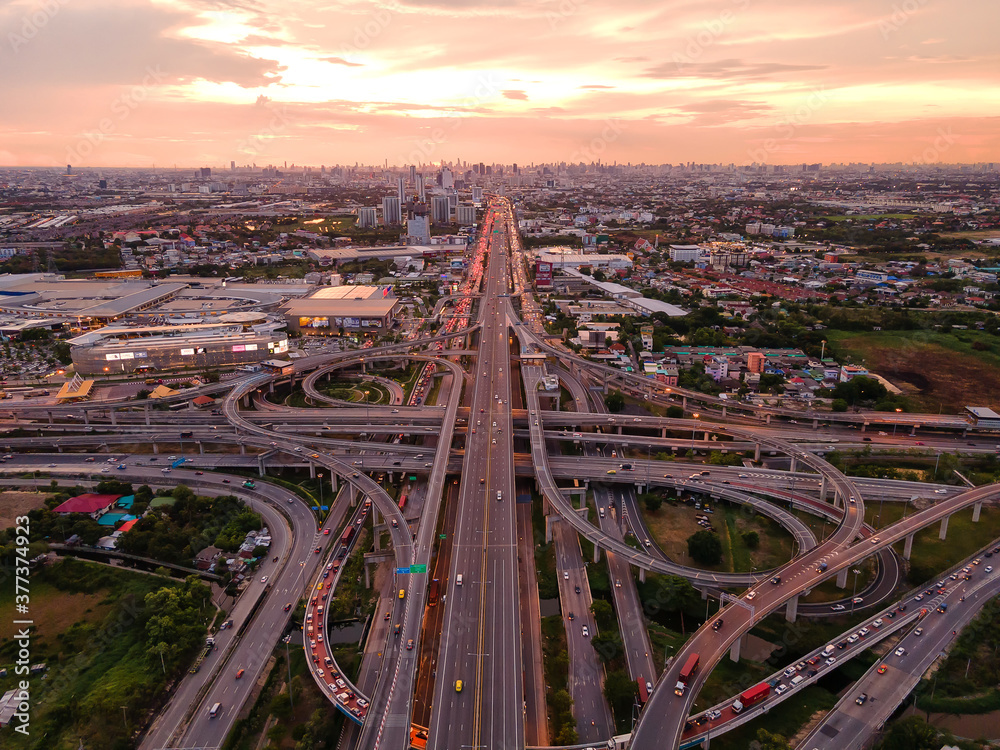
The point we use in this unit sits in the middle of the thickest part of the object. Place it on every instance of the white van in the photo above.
(797, 679)
(458, 580)
(215, 710)
(828, 650)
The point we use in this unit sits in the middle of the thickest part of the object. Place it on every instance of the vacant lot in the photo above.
(14, 504)
(936, 370)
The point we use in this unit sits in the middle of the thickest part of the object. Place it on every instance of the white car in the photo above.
(751, 595)
(900, 651)
(586, 631)
(263, 579)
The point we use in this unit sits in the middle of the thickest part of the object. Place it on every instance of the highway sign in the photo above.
(418, 568)
(442, 536)
(402, 571)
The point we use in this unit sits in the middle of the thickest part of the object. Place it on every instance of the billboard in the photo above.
(543, 273)
(314, 322)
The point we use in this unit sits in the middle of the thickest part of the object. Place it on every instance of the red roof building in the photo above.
(91, 504)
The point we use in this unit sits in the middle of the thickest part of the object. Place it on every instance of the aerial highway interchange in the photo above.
(494, 432)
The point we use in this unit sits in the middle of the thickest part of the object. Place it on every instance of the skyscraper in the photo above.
(401, 190)
(465, 215)
(477, 194)
(367, 217)
(391, 210)
(440, 209)
(421, 189)
(418, 230)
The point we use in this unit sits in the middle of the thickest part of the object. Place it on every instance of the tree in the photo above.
(652, 501)
(771, 740)
(142, 394)
(705, 548)
(751, 539)
(911, 733)
(839, 404)
(619, 689)
(675, 412)
(608, 645)
(614, 401)
(603, 612)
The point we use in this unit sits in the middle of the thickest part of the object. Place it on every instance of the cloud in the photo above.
(596, 86)
(341, 61)
(727, 70)
(515, 94)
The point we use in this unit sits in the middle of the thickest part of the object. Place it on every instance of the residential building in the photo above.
(367, 217)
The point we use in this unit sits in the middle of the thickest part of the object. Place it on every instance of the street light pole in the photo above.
(854, 594)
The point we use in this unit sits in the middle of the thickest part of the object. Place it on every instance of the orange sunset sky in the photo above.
(203, 82)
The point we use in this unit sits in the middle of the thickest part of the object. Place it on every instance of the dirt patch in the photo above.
(671, 526)
(965, 725)
(14, 504)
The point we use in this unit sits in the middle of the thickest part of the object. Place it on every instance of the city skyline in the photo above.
(140, 83)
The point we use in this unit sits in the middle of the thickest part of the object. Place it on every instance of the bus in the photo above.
(402, 501)
(643, 692)
(345, 538)
(432, 597)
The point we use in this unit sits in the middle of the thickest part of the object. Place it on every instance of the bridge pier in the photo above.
(793, 465)
(548, 529)
(908, 547)
(913, 430)
(792, 609)
(639, 488)
(145, 412)
(842, 579)
(86, 417)
(815, 424)
(58, 448)
(619, 429)
(723, 412)
(734, 650)
(756, 452)
(976, 510)
(864, 426)
(260, 465)
(822, 489)
(767, 419)
(333, 482)
(684, 403)
(368, 580)
(201, 448)
(376, 534)
(642, 575)
(663, 433)
(114, 419)
(597, 554)
(312, 470)
(156, 449)
(243, 449)
(943, 534)
(50, 417)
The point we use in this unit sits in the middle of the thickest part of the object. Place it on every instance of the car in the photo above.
(919, 442)
(918, 597)
(860, 700)
(105, 470)
(882, 669)
(578, 589)
(852, 500)
(326, 532)
(940, 492)
(586, 631)
(287, 607)
(918, 632)
(751, 595)
(494, 441)
(318, 550)
(900, 651)
(263, 579)
(776, 580)
(647, 542)
(878, 623)
(863, 632)
(618, 583)
(853, 638)
(842, 644)
(199, 473)
(780, 689)
(91, 459)
(387, 616)
(838, 607)
(458, 686)
(875, 540)
(239, 673)
(224, 481)
(409, 644)
(830, 661)
(570, 617)
(988, 568)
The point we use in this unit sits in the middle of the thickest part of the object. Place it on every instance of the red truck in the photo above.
(754, 695)
(690, 667)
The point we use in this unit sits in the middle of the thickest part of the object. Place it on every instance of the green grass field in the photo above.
(930, 555)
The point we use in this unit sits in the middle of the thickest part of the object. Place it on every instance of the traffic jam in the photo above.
(314, 641)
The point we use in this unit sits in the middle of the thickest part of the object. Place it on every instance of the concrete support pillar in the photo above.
(684, 402)
(86, 417)
(756, 452)
(642, 575)
(58, 448)
(333, 482)
(815, 424)
(734, 650)
(965, 432)
(913, 430)
(822, 489)
(271, 387)
(312, 470)
(243, 449)
(597, 554)
(145, 412)
(793, 465)
(201, 448)
(976, 510)
(864, 426)
(50, 417)
(368, 580)
(548, 529)
(943, 534)
(246, 401)
(706, 436)
(114, 419)
(156, 449)
(704, 595)
(260, 465)
(792, 609)
(663, 433)
(842, 579)
(908, 547)
(378, 539)
(619, 429)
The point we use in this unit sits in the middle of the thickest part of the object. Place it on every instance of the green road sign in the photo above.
(418, 568)
(442, 536)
